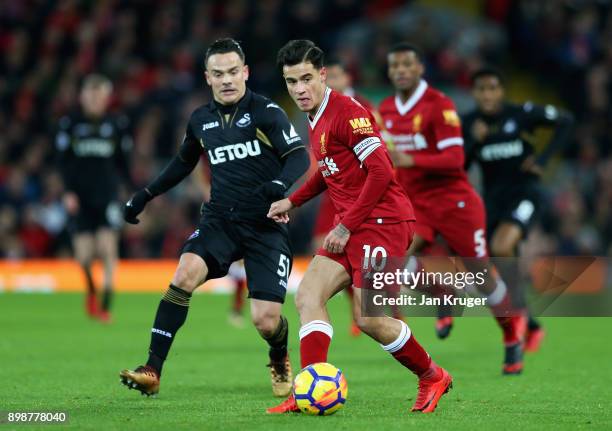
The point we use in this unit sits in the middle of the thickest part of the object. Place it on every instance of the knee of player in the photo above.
(501, 248)
(185, 279)
(366, 324)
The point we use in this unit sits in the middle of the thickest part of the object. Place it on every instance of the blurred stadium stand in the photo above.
(552, 51)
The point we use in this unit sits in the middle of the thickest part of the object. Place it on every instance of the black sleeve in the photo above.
(549, 116)
(125, 145)
(277, 127)
(296, 163)
(468, 141)
(65, 158)
(179, 167)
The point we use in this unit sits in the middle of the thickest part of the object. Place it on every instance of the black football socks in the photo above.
(171, 315)
(278, 341)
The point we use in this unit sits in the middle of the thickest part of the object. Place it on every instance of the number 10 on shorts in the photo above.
(374, 258)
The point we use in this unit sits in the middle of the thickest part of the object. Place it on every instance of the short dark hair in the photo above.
(335, 61)
(406, 46)
(223, 46)
(488, 71)
(300, 51)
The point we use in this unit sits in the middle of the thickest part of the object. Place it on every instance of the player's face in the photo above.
(306, 85)
(404, 69)
(227, 75)
(489, 94)
(95, 99)
(337, 78)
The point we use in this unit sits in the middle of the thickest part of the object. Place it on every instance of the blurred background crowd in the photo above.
(552, 51)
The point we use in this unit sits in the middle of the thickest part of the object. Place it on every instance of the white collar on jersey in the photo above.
(313, 122)
(403, 108)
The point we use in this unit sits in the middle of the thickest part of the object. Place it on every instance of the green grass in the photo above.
(52, 358)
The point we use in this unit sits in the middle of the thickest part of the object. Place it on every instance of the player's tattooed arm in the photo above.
(401, 160)
(336, 240)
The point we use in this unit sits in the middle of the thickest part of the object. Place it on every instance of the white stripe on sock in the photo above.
(402, 339)
(316, 325)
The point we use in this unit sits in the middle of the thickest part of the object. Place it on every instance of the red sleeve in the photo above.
(446, 124)
(450, 158)
(380, 174)
(311, 188)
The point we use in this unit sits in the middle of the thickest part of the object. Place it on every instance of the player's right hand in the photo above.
(279, 211)
(135, 205)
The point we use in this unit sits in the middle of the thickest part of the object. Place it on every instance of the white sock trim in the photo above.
(402, 339)
(497, 296)
(316, 325)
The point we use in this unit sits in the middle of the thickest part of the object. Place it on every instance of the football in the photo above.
(320, 389)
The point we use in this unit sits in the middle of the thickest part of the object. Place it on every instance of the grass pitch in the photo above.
(53, 358)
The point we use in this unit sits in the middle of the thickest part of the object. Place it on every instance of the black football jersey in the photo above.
(93, 156)
(244, 146)
(507, 144)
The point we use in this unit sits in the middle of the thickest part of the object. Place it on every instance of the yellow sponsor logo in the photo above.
(451, 118)
(362, 125)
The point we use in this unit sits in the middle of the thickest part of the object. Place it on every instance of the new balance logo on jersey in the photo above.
(244, 121)
(409, 142)
(329, 166)
(234, 151)
(292, 136)
(160, 332)
(210, 125)
(503, 150)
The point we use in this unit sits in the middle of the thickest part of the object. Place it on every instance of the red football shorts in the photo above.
(369, 244)
(460, 219)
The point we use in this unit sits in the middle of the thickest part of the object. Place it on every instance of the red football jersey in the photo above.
(342, 135)
(426, 126)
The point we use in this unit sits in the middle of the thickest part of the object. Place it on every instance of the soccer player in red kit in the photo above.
(372, 211)
(428, 153)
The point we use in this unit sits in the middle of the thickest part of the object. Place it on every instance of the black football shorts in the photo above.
(264, 246)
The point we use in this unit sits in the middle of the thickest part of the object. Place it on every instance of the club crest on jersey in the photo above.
(416, 123)
(244, 121)
(292, 136)
(362, 125)
(323, 149)
(210, 125)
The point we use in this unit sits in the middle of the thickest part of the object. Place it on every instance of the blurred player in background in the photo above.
(373, 213)
(255, 155)
(93, 148)
(497, 136)
(428, 154)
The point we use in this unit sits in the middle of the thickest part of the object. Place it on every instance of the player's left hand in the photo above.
(530, 165)
(279, 211)
(336, 240)
(401, 160)
(272, 190)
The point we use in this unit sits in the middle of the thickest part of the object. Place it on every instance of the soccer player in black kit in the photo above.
(93, 147)
(496, 136)
(255, 155)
